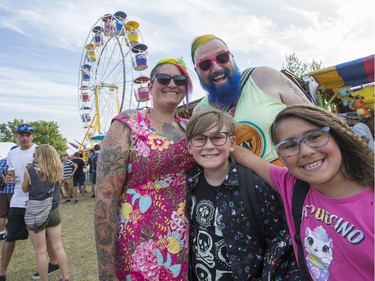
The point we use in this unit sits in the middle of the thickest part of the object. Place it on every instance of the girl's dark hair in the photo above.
(357, 156)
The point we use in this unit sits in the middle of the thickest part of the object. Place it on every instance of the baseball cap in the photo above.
(25, 128)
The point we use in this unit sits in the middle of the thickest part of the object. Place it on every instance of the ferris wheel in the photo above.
(110, 75)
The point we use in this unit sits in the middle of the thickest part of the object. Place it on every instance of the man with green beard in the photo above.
(253, 97)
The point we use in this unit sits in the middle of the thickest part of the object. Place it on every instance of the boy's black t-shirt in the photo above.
(209, 258)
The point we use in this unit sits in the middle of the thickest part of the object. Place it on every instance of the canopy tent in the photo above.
(350, 74)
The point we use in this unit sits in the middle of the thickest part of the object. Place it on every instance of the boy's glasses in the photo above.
(206, 64)
(218, 140)
(165, 79)
(25, 128)
(314, 138)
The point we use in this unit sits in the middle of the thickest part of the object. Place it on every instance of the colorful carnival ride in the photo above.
(346, 87)
(111, 77)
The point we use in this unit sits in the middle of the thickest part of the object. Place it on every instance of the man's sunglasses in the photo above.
(206, 64)
(165, 79)
(25, 128)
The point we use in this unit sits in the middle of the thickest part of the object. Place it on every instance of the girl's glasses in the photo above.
(314, 138)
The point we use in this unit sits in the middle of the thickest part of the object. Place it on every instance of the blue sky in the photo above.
(42, 42)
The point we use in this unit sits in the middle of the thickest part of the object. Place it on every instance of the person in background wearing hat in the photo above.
(18, 159)
(253, 97)
(361, 129)
(6, 193)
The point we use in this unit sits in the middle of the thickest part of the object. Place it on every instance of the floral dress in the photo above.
(153, 229)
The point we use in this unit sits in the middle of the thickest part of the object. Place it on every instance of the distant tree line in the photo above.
(46, 132)
(298, 67)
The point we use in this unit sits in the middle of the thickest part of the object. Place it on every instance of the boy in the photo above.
(224, 239)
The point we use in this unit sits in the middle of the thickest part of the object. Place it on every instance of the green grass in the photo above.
(78, 240)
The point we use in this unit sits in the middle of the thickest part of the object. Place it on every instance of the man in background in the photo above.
(79, 177)
(6, 193)
(18, 159)
(361, 129)
(92, 161)
(69, 169)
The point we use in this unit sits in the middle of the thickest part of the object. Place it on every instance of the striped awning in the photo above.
(350, 74)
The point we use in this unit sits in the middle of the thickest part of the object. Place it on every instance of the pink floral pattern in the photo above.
(144, 260)
(153, 228)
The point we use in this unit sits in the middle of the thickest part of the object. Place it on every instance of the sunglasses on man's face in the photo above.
(206, 64)
(165, 79)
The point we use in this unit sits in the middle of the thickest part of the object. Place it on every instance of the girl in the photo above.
(39, 181)
(337, 224)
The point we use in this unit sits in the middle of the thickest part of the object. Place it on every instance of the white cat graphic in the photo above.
(319, 253)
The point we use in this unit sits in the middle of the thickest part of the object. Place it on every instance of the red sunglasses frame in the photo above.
(213, 58)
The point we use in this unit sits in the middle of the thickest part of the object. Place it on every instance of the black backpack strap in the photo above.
(245, 75)
(251, 203)
(299, 194)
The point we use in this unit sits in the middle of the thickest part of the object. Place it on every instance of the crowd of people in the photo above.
(39, 173)
(211, 197)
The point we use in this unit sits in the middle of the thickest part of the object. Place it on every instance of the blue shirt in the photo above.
(8, 188)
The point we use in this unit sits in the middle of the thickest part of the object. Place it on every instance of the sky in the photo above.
(43, 43)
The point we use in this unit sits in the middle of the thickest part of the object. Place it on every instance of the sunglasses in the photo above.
(25, 128)
(165, 79)
(206, 64)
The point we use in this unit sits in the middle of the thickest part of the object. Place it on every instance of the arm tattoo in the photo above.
(111, 174)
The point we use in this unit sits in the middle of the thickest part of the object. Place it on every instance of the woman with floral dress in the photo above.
(140, 223)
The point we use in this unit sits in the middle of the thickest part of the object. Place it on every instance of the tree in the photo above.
(46, 132)
(299, 68)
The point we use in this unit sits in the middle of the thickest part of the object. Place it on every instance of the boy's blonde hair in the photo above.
(206, 119)
(49, 164)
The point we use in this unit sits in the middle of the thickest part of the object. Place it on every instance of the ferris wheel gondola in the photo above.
(113, 53)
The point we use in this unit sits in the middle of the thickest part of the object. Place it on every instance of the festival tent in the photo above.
(350, 74)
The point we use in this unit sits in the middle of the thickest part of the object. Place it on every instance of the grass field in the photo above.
(78, 241)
